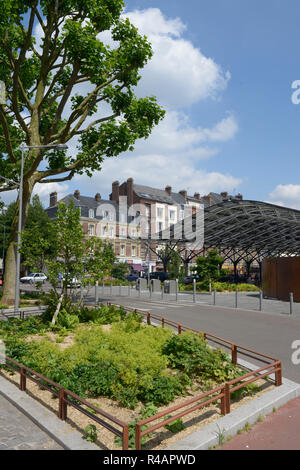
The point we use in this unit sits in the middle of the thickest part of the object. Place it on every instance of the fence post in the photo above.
(227, 398)
(194, 290)
(22, 379)
(125, 438)
(138, 440)
(223, 402)
(162, 322)
(179, 329)
(148, 318)
(291, 303)
(62, 411)
(233, 354)
(278, 375)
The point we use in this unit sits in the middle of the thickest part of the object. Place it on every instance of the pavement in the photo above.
(18, 432)
(279, 430)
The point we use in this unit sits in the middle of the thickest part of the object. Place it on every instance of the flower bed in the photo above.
(115, 361)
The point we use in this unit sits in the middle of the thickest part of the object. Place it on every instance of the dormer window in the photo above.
(91, 213)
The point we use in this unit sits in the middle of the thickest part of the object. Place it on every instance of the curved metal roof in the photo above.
(245, 226)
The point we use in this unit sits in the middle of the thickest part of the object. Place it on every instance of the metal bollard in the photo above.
(111, 289)
(150, 290)
(103, 288)
(215, 290)
(162, 291)
(97, 292)
(260, 300)
(129, 290)
(120, 290)
(176, 290)
(81, 291)
(194, 290)
(291, 303)
(236, 298)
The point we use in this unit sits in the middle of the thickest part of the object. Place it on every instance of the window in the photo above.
(160, 212)
(147, 210)
(148, 227)
(91, 230)
(172, 215)
(104, 230)
(133, 251)
(122, 250)
(111, 231)
(122, 232)
(91, 213)
(159, 226)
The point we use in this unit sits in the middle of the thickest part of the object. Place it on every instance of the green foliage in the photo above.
(175, 426)
(188, 352)
(119, 271)
(90, 433)
(208, 268)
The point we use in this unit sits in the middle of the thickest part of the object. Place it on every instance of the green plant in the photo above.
(221, 434)
(90, 433)
(175, 426)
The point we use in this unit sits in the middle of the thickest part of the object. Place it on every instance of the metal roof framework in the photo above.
(243, 230)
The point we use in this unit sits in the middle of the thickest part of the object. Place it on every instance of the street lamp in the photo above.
(20, 184)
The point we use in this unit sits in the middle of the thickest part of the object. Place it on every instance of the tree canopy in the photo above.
(70, 69)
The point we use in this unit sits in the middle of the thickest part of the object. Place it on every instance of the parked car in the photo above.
(161, 275)
(190, 279)
(32, 278)
(132, 277)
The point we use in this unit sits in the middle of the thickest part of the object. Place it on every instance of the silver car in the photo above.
(32, 278)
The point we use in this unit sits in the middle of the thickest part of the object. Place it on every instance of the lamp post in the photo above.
(20, 184)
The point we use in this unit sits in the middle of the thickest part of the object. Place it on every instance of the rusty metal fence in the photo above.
(65, 399)
(221, 393)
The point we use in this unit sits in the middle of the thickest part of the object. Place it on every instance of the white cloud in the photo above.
(43, 190)
(179, 74)
(287, 195)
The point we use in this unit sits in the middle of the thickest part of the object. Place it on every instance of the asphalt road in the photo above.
(262, 332)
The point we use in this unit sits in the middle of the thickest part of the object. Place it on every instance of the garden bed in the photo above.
(127, 368)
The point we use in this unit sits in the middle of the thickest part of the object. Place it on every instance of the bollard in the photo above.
(111, 289)
(81, 291)
(150, 290)
(176, 290)
(103, 288)
(162, 291)
(194, 290)
(291, 302)
(97, 292)
(139, 289)
(120, 290)
(260, 300)
(215, 290)
(129, 290)
(236, 298)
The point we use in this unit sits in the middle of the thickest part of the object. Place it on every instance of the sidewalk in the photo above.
(278, 431)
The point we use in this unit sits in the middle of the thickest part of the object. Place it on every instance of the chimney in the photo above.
(183, 193)
(53, 199)
(115, 191)
(197, 196)
(207, 200)
(77, 194)
(224, 194)
(239, 196)
(130, 191)
(98, 197)
(168, 190)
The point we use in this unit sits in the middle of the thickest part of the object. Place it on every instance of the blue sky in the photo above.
(223, 70)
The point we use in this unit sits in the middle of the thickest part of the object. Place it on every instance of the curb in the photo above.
(228, 425)
(58, 430)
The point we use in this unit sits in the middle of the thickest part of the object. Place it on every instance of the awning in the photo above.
(137, 267)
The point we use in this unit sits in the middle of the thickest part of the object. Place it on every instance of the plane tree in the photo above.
(70, 69)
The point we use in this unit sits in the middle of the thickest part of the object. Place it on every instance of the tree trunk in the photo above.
(8, 297)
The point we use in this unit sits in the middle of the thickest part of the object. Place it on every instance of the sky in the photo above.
(223, 70)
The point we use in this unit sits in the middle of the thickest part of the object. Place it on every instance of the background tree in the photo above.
(175, 267)
(57, 89)
(119, 271)
(208, 267)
